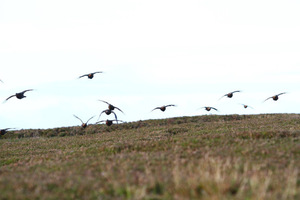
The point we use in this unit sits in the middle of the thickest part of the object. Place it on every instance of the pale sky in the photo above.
(152, 53)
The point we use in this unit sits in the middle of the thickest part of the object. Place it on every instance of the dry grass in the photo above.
(204, 157)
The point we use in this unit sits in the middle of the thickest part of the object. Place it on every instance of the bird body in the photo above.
(246, 106)
(4, 131)
(208, 108)
(111, 107)
(230, 94)
(108, 112)
(109, 122)
(275, 97)
(84, 125)
(163, 108)
(19, 95)
(90, 75)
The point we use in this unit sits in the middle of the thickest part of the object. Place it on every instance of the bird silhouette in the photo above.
(230, 94)
(84, 125)
(246, 106)
(111, 107)
(90, 75)
(109, 122)
(108, 112)
(163, 108)
(4, 131)
(208, 108)
(19, 95)
(275, 97)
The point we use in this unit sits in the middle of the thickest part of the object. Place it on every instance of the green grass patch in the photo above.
(200, 157)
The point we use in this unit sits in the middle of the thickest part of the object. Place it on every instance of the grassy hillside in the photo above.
(201, 157)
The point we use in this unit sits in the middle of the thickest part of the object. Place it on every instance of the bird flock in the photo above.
(111, 108)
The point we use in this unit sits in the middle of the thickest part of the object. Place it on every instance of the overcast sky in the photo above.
(152, 53)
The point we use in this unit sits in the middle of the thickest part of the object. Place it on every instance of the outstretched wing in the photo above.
(10, 97)
(105, 102)
(281, 93)
(268, 98)
(78, 118)
(155, 108)
(26, 90)
(236, 91)
(214, 108)
(100, 121)
(97, 72)
(83, 75)
(115, 116)
(223, 96)
(170, 105)
(100, 114)
(89, 119)
(118, 109)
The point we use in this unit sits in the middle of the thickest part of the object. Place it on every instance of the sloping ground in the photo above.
(208, 157)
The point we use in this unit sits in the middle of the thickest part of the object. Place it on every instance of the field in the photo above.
(201, 157)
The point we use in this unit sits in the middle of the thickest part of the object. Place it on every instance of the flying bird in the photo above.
(230, 94)
(109, 122)
(84, 125)
(163, 108)
(208, 108)
(90, 75)
(1, 81)
(108, 112)
(111, 107)
(275, 97)
(246, 106)
(19, 95)
(4, 131)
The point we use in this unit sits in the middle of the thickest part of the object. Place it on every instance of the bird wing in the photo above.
(115, 116)
(89, 119)
(268, 98)
(235, 91)
(97, 72)
(214, 108)
(105, 102)
(83, 75)
(281, 93)
(26, 90)
(155, 108)
(100, 114)
(118, 121)
(10, 97)
(119, 109)
(223, 96)
(78, 118)
(6, 129)
(170, 105)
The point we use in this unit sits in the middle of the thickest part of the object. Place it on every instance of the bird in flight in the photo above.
(84, 125)
(246, 106)
(19, 95)
(163, 108)
(109, 122)
(1, 81)
(275, 97)
(111, 107)
(208, 108)
(230, 94)
(4, 131)
(108, 112)
(90, 75)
